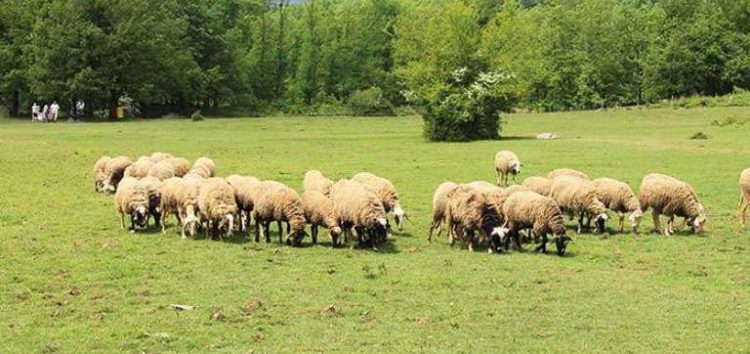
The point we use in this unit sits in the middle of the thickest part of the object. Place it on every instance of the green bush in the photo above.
(197, 116)
(370, 102)
(699, 136)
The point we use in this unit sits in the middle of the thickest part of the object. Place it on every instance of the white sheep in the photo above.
(244, 188)
(217, 207)
(160, 156)
(439, 206)
(180, 166)
(387, 193)
(280, 204)
(567, 172)
(578, 196)
(671, 197)
(115, 171)
(618, 197)
(506, 163)
(100, 172)
(140, 168)
(744, 194)
(204, 167)
(162, 170)
(469, 211)
(319, 212)
(132, 199)
(539, 185)
(358, 208)
(542, 214)
(315, 181)
(170, 200)
(188, 208)
(153, 186)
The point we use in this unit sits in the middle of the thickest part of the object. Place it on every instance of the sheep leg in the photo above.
(498, 179)
(281, 231)
(470, 239)
(257, 230)
(580, 223)
(122, 220)
(670, 226)
(314, 234)
(542, 246)
(622, 222)
(267, 230)
(743, 209)
(657, 223)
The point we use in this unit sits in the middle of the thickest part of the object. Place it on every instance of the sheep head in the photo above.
(635, 219)
(697, 223)
(335, 232)
(601, 222)
(226, 224)
(561, 242)
(139, 217)
(400, 216)
(515, 167)
(295, 238)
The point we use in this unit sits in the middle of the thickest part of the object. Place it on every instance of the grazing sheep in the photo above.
(539, 185)
(180, 166)
(439, 206)
(204, 167)
(100, 172)
(280, 204)
(315, 181)
(618, 197)
(470, 211)
(387, 193)
(217, 207)
(188, 205)
(358, 208)
(132, 198)
(525, 210)
(578, 196)
(244, 188)
(139, 169)
(161, 170)
(744, 194)
(318, 211)
(160, 156)
(115, 171)
(153, 186)
(671, 197)
(567, 172)
(506, 163)
(171, 190)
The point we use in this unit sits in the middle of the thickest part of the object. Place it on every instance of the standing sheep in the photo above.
(217, 207)
(387, 193)
(139, 169)
(244, 188)
(132, 198)
(671, 197)
(318, 211)
(315, 181)
(744, 194)
(469, 211)
(153, 186)
(506, 163)
(439, 207)
(567, 172)
(280, 204)
(160, 156)
(542, 214)
(188, 208)
(358, 208)
(204, 167)
(180, 166)
(618, 197)
(170, 200)
(539, 185)
(161, 170)
(100, 172)
(115, 171)
(578, 196)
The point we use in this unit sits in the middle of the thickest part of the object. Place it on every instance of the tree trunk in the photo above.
(15, 105)
(113, 107)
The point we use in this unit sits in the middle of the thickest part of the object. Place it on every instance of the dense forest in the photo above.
(366, 56)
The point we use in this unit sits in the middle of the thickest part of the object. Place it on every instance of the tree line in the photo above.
(365, 56)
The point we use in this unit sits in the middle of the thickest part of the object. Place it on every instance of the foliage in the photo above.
(370, 102)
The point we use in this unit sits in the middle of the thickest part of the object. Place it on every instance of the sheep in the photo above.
(671, 197)
(180, 166)
(439, 206)
(188, 208)
(153, 185)
(618, 197)
(387, 193)
(161, 170)
(315, 181)
(139, 169)
(280, 204)
(506, 163)
(217, 207)
(318, 211)
(100, 172)
(744, 194)
(204, 167)
(170, 200)
(542, 214)
(243, 193)
(576, 195)
(567, 172)
(160, 156)
(132, 198)
(539, 185)
(358, 208)
(115, 171)
(470, 211)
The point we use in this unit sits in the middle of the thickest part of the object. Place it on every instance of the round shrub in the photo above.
(370, 102)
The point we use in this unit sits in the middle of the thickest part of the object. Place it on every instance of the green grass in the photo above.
(73, 282)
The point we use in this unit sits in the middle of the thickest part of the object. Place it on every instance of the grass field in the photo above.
(73, 282)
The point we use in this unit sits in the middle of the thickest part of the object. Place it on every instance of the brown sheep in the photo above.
(506, 163)
(100, 172)
(387, 193)
(217, 207)
(539, 185)
(115, 171)
(319, 212)
(531, 210)
(671, 197)
(315, 181)
(567, 172)
(439, 207)
(618, 197)
(744, 194)
(132, 198)
(358, 208)
(280, 204)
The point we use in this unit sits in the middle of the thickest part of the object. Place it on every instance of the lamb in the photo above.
(315, 181)
(319, 211)
(671, 197)
(280, 204)
(244, 188)
(217, 207)
(387, 193)
(180, 166)
(161, 170)
(115, 171)
(132, 198)
(439, 207)
(160, 156)
(140, 168)
(358, 208)
(469, 211)
(506, 163)
(153, 186)
(204, 167)
(567, 172)
(525, 210)
(576, 195)
(744, 194)
(618, 197)
(539, 185)
(100, 172)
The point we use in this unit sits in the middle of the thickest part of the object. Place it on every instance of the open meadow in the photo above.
(74, 282)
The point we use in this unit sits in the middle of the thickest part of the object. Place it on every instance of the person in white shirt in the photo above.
(53, 111)
(34, 112)
(45, 113)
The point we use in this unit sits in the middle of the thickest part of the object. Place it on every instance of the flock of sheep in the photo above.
(535, 209)
(161, 184)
